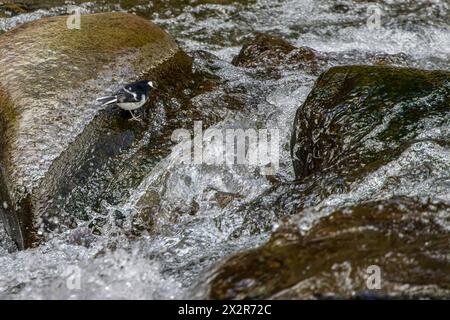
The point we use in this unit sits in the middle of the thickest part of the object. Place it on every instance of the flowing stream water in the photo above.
(169, 263)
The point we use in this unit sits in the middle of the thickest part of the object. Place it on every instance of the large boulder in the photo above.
(341, 255)
(358, 118)
(54, 137)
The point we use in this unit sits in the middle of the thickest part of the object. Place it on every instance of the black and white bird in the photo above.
(131, 97)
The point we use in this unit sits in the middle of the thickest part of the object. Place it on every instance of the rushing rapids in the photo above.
(142, 225)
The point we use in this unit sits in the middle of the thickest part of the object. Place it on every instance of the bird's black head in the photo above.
(145, 85)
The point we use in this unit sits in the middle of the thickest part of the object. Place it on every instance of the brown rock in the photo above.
(53, 136)
(401, 236)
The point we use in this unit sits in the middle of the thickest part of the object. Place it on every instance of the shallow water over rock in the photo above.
(157, 235)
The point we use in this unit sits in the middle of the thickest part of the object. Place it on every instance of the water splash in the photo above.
(167, 261)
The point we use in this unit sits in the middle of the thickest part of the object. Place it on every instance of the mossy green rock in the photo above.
(52, 130)
(358, 118)
(337, 256)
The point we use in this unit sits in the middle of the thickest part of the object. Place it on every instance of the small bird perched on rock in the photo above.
(131, 97)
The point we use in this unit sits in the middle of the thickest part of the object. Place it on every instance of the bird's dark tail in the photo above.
(107, 100)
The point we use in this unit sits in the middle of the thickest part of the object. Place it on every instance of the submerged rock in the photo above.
(262, 49)
(54, 137)
(402, 238)
(270, 53)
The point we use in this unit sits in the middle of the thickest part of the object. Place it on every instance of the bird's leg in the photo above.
(145, 113)
(133, 117)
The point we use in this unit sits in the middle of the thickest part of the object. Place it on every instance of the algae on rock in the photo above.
(49, 79)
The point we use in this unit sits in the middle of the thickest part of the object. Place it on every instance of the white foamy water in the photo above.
(168, 262)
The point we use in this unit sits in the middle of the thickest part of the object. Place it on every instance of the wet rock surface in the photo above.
(358, 118)
(403, 237)
(53, 135)
(142, 225)
(264, 49)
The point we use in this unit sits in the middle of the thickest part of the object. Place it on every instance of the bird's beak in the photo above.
(151, 84)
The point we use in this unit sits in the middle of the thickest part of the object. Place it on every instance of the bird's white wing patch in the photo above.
(134, 94)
